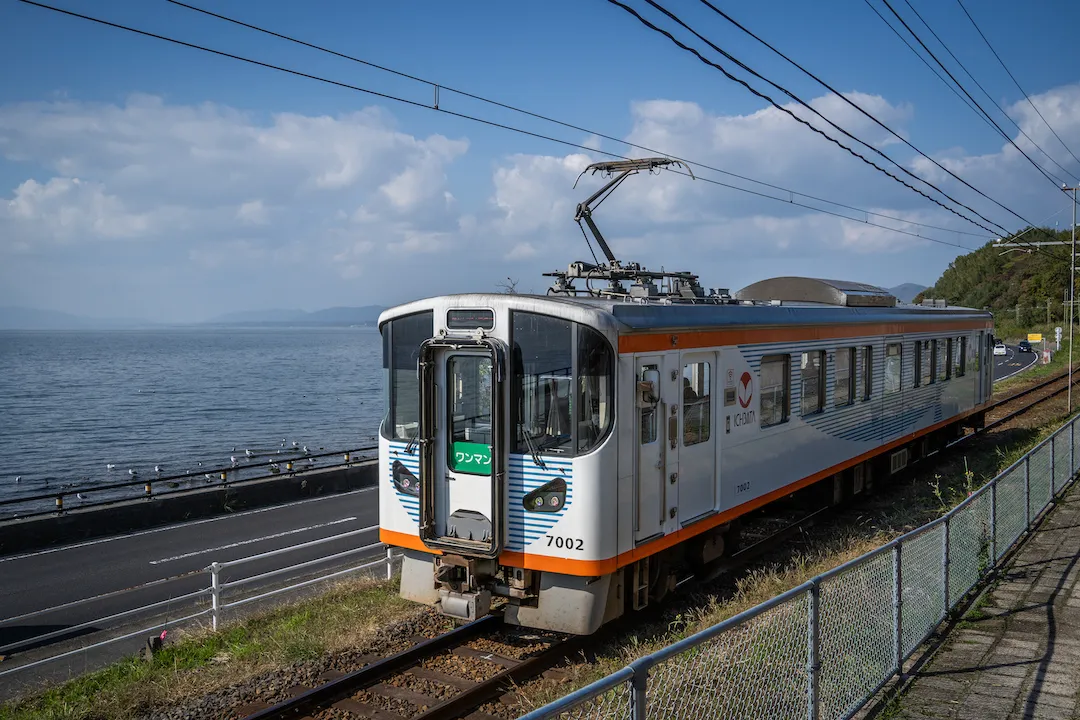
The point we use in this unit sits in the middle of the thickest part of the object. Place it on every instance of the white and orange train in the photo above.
(572, 454)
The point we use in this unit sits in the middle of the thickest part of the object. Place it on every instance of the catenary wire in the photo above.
(562, 123)
(862, 110)
(964, 90)
(464, 116)
(984, 92)
(1015, 81)
(788, 112)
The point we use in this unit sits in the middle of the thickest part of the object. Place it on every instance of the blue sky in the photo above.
(143, 179)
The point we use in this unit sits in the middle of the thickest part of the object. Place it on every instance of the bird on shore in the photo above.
(157, 468)
(232, 459)
(132, 472)
(295, 443)
(110, 466)
(18, 478)
(248, 453)
(305, 449)
(80, 496)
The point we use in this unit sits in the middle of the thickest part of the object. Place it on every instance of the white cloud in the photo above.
(353, 209)
(252, 212)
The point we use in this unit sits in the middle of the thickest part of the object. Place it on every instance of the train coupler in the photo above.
(465, 605)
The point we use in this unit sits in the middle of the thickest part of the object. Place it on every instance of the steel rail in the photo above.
(309, 701)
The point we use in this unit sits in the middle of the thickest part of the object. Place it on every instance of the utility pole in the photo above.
(1072, 287)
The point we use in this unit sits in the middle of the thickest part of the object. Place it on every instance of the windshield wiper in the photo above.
(532, 448)
(412, 442)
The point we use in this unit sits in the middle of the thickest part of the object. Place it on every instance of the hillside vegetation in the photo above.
(1021, 287)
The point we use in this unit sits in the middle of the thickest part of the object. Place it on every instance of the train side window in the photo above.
(775, 389)
(893, 359)
(932, 344)
(961, 353)
(813, 382)
(697, 403)
(918, 363)
(947, 369)
(844, 388)
(868, 372)
(648, 414)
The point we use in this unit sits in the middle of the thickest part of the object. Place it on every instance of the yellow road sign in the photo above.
(1034, 337)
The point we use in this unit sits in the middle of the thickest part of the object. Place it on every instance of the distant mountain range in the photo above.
(336, 316)
(906, 293)
(22, 318)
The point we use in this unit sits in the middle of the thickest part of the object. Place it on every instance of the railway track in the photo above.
(449, 676)
(459, 672)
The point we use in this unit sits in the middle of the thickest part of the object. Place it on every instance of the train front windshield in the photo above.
(561, 375)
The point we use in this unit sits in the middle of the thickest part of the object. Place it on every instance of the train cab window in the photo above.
(813, 382)
(562, 377)
(775, 389)
(697, 403)
(844, 387)
(961, 353)
(868, 372)
(975, 356)
(541, 392)
(401, 351)
(893, 365)
(595, 387)
(932, 345)
(947, 366)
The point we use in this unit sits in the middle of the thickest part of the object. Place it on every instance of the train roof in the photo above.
(774, 302)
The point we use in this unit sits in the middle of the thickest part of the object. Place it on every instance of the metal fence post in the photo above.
(945, 570)
(215, 594)
(1027, 491)
(898, 608)
(639, 706)
(993, 522)
(1072, 448)
(813, 655)
(1053, 459)
(389, 562)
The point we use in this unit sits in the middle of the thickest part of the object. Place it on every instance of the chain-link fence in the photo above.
(825, 648)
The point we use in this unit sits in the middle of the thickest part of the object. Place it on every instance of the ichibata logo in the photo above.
(746, 389)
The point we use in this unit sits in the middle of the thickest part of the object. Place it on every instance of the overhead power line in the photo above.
(789, 201)
(858, 107)
(785, 110)
(562, 123)
(1015, 81)
(960, 85)
(984, 92)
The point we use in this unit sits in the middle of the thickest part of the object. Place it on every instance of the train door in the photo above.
(657, 405)
(462, 443)
(696, 480)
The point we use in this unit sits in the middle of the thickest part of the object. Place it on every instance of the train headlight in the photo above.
(549, 497)
(404, 481)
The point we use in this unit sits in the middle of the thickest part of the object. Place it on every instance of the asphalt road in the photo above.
(55, 576)
(1013, 362)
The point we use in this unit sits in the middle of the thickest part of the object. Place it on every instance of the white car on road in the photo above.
(999, 349)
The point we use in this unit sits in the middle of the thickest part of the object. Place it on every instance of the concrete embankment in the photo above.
(27, 534)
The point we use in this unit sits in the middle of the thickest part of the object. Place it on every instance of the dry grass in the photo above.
(200, 661)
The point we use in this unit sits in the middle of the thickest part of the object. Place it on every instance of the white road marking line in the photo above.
(176, 526)
(1034, 360)
(252, 540)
